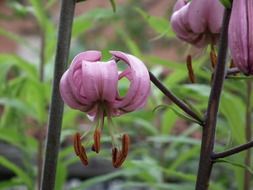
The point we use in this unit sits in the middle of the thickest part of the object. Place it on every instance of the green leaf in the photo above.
(146, 125)
(15, 37)
(132, 45)
(154, 61)
(160, 25)
(169, 119)
(10, 183)
(39, 12)
(180, 175)
(22, 64)
(226, 3)
(182, 158)
(236, 164)
(20, 10)
(18, 105)
(61, 175)
(183, 115)
(86, 21)
(99, 179)
(13, 137)
(178, 139)
(113, 4)
(230, 104)
(17, 170)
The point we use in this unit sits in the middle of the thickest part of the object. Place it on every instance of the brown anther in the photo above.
(125, 144)
(79, 149)
(114, 155)
(190, 69)
(121, 155)
(213, 58)
(77, 143)
(83, 157)
(96, 137)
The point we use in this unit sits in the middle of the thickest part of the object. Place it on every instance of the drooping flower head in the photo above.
(240, 35)
(91, 86)
(197, 22)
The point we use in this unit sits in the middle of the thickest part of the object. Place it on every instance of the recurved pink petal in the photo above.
(139, 88)
(238, 35)
(180, 25)
(91, 55)
(197, 22)
(197, 15)
(75, 73)
(100, 80)
(67, 95)
(214, 18)
(250, 25)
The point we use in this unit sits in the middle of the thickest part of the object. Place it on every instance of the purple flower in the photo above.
(197, 22)
(240, 35)
(91, 86)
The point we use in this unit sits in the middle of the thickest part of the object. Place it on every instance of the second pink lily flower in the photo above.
(240, 35)
(197, 22)
(91, 86)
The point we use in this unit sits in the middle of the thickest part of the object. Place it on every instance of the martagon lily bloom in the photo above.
(197, 22)
(240, 35)
(91, 86)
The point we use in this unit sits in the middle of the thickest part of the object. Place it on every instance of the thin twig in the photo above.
(208, 134)
(56, 108)
(174, 98)
(232, 151)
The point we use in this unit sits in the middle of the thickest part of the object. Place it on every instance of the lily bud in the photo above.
(240, 35)
(197, 22)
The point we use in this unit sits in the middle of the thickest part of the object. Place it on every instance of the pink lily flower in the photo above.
(91, 86)
(240, 35)
(197, 22)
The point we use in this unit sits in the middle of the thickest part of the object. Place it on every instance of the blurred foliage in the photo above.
(165, 144)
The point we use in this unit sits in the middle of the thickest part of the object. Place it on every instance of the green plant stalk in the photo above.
(208, 134)
(248, 135)
(56, 108)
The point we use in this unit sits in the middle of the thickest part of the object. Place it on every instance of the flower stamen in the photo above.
(79, 149)
(77, 143)
(213, 58)
(119, 157)
(190, 69)
(83, 156)
(96, 137)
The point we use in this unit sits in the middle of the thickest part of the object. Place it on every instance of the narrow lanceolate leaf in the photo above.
(17, 170)
(113, 5)
(226, 3)
(249, 169)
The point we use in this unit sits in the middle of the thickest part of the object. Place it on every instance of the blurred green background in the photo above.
(165, 143)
